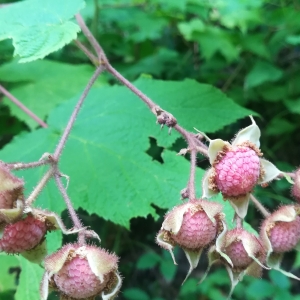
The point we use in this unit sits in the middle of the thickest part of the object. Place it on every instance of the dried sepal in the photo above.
(54, 222)
(240, 252)
(10, 215)
(192, 226)
(11, 195)
(237, 168)
(280, 233)
(81, 272)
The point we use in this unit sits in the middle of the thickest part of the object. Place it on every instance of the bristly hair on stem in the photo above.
(75, 112)
(22, 107)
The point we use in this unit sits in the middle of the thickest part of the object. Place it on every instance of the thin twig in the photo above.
(190, 137)
(72, 212)
(129, 85)
(232, 76)
(259, 206)
(87, 52)
(191, 183)
(76, 110)
(22, 107)
(21, 166)
(98, 49)
(239, 221)
(42, 183)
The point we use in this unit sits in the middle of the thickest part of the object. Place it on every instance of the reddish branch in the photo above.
(22, 107)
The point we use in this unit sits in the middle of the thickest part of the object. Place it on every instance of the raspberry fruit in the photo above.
(243, 248)
(81, 272)
(284, 236)
(238, 255)
(22, 235)
(196, 231)
(237, 172)
(77, 280)
(193, 226)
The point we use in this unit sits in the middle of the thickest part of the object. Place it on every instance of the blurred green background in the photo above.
(249, 49)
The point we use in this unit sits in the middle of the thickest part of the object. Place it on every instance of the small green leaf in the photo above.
(44, 28)
(293, 105)
(167, 268)
(261, 287)
(135, 294)
(148, 261)
(188, 29)
(30, 279)
(293, 39)
(262, 72)
(280, 280)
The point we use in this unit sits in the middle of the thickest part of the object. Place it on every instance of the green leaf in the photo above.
(262, 288)
(188, 29)
(148, 261)
(274, 93)
(8, 279)
(293, 39)
(223, 43)
(254, 43)
(47, 83)
(105, 155)
(135, 294)
(280, 280)
(297, 260)
(293, 105)
(30, 279)
(262, 72)
(279, 126)
(168, 269)
(43, 29)
(54, 241)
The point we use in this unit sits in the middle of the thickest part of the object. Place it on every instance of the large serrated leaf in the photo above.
(30, 279)
(105, 156)
(44, 84)
(43, 29)
(7, 277)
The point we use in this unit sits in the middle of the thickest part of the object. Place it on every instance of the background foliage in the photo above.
(210, 63)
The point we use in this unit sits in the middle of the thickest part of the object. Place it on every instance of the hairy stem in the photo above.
(76, 110)
(42, 183)
(259, 206)
(87, 52)
(239, 221)
(21, 166)
(68, 202)
(98, 49)
(191, 183)
(22, 107)
(72, 212)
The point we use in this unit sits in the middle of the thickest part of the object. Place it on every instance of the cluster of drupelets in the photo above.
(81, 271)
(76, 271)
(199, 224)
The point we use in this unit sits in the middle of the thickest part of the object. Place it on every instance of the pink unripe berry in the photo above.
(238, 255)
(284, 236)
(22, 235)
(241, 246)
(81, 272)
(77, 280)
(196, 231)
(237, 171)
